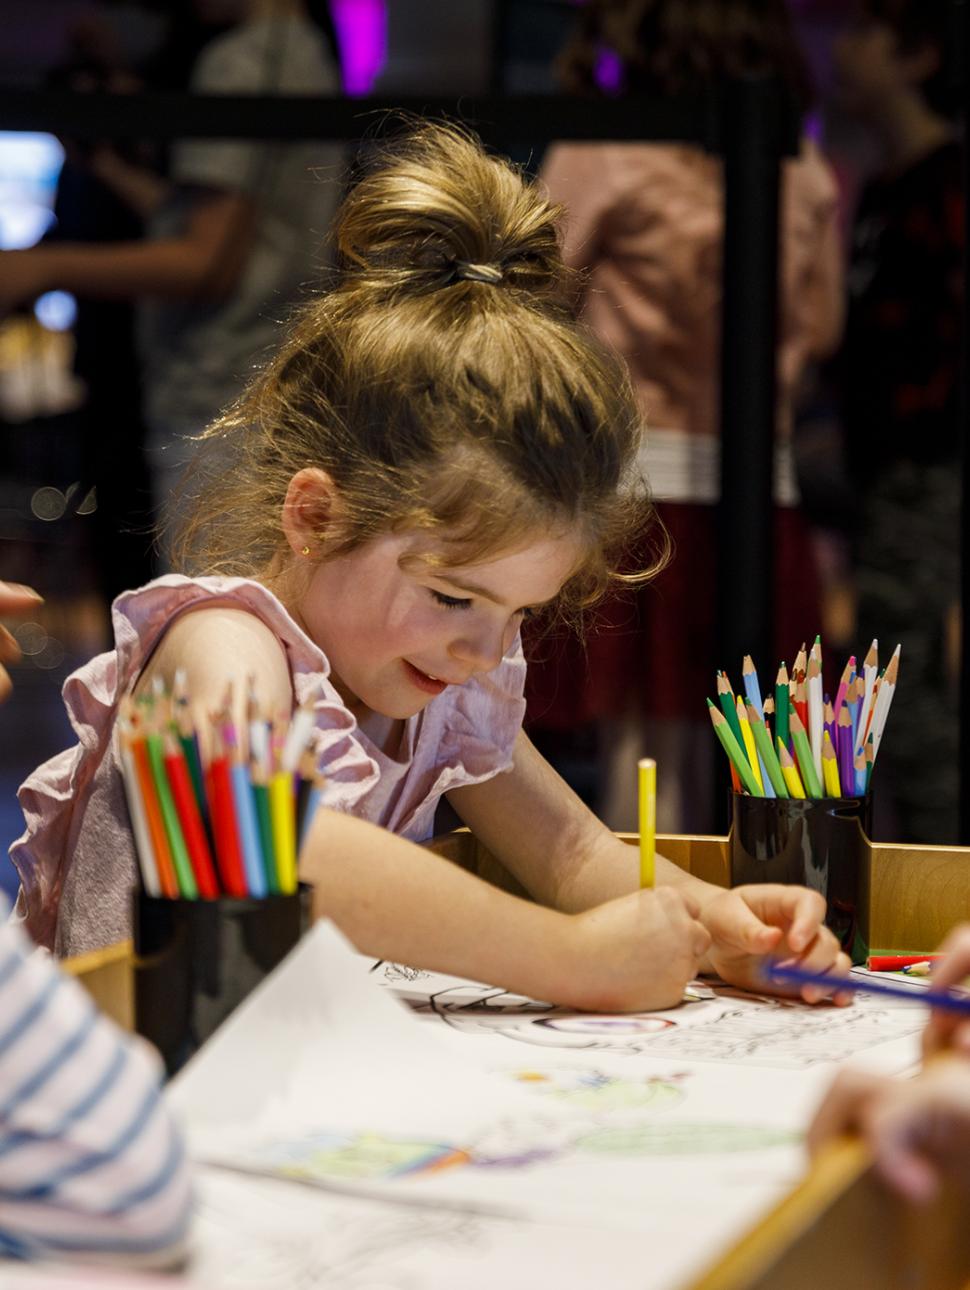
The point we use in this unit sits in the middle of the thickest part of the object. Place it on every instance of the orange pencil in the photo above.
(153, 818)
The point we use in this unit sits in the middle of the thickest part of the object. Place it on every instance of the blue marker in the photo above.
(956, 1002)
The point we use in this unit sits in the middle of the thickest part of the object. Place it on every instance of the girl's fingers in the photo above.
(806, 913)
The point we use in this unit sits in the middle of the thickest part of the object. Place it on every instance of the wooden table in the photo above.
(839, 1229)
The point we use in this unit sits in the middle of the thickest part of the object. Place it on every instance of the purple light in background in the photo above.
(609, 71)
(362, 35)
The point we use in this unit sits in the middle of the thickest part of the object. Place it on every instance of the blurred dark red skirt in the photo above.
(653, 651)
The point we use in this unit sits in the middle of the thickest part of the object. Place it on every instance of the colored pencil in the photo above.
(860, 778)
(752, 688)
(843, 749)
(733, 749)
(816, 717)
(790, 771)
(647, 812)
(881, 710)
(725, 697)
(803, 754)
(136, 808)
(870, 669)
(190, 818)
(848, 672)
(773, 777)
(895, 962)
(749, 748)
(153, 818)
(945, 1000)
(188, 888)
(282, 814)
(830, 768)
(782, 704)
(189, 740)
(222, 811)
(799, 705)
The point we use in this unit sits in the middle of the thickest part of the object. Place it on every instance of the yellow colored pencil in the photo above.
(790, 771)
(282, 810)
(647, 794)
(830, 767)
(749, 745)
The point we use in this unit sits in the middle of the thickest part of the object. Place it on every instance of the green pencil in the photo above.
(769, 758)
(782, 705)
(173, 829)
(733, 750)
(725, 696)
(806, 762)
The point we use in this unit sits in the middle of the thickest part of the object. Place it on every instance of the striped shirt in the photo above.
(91, 1162)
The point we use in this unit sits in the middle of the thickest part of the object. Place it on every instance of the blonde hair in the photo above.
(441, 383)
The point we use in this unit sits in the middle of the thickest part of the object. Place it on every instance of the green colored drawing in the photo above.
(681, 1139)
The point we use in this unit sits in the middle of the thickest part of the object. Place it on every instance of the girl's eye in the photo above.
(449, 602)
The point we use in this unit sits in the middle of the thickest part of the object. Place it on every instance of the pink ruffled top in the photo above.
(76, 859)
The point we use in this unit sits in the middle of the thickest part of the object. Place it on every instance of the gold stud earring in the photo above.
(305, 551)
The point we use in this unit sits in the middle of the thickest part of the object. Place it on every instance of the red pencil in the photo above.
(893, 962)
(222, 812)
(193, 830)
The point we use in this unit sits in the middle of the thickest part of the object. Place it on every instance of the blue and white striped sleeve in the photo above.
(91, 1162)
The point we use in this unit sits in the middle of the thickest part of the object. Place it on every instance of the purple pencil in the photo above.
(844, 750)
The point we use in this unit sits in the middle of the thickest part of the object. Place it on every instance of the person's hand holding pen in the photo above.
(751, 922)
(916, 1128)
(14, 599)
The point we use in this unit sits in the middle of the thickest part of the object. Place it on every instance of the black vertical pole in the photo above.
(754, 116)
(961, 43)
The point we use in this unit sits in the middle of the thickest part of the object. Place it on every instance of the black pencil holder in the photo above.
(822, 843)
(196, 960)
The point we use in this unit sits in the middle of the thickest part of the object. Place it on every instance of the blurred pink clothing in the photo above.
(646, 221)
(77, 860)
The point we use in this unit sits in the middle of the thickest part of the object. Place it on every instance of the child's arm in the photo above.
(397, 901)
(532, 822)
(91, 1161)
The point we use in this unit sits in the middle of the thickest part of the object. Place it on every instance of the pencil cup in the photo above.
(820, 843)
(196, 960)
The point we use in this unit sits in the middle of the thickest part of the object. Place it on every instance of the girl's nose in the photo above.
(482, 649)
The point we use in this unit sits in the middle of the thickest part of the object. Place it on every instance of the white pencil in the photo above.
(886, 692)
(816, 715)
(870, 669)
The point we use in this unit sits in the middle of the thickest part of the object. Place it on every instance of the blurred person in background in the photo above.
(644, 223)
(898, 371)
(234, 231)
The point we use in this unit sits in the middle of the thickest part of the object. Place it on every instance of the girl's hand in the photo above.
(749, 923)
(635, 953)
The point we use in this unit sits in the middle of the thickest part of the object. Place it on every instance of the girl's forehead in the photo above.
(529, 572)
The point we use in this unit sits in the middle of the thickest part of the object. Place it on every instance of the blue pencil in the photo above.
(749, 678)
(932, 998)
(242, 796)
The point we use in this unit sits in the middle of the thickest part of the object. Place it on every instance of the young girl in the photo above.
(436, 452)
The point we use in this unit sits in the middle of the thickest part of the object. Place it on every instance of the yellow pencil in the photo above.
(647, 793)
(790, 771)
(282, 809)
(830, 767)
(749, 745)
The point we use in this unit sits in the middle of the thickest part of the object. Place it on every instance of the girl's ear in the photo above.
(311, 503)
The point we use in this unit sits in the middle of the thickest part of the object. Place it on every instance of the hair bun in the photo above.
(433, 209)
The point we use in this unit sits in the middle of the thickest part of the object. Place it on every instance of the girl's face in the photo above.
(398, 636)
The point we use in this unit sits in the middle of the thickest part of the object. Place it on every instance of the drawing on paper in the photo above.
(593, 1091)
(760, 1030)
